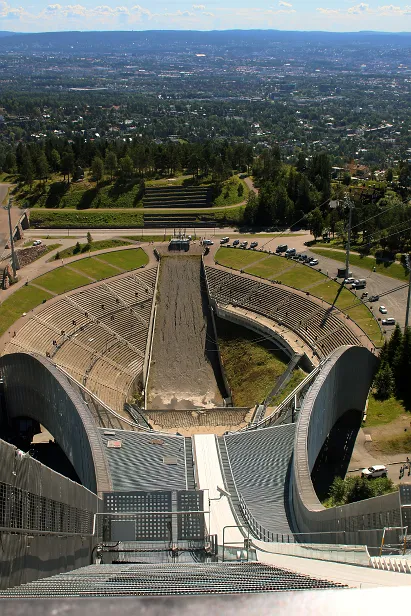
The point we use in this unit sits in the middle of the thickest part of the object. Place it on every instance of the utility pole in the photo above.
(13, 256)
(350, 205)
(407, 312)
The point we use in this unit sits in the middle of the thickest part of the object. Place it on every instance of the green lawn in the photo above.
(85, 248)
(382, 412)
(94, 268)
(252, 368)
(268, 267)
(126, 259)
(301, 277)
(20, 301)
(394, 270)
(231, 193)
(61, 280)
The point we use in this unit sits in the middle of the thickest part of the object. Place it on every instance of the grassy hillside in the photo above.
(251, 367)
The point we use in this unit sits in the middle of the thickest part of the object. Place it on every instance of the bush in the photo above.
(355, 488)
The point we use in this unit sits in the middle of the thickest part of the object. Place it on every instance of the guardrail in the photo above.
(288, 402)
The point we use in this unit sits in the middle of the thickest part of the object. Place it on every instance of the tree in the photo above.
(346, 179)
(42, 166)
(389, 176)
(315, 222)
(251, 209)
(89, 238)
(97, 169)
(55, 160)
(27, 172)
(10, 163)
(403, 366)
(358, 489)
(126, 167)
(384, 382)
(111, 163)
(67, 165)
(394, 345)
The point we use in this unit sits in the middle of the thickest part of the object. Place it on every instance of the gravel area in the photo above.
(181, 373)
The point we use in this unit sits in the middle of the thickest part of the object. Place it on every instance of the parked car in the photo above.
(360, 283)
(290, 252)
(281, 248)
(253, 244)
(349, 280)
(236, 242)
(378, 470)
(208, 243)
(389, 321)
(383, 310)
(37, 242)
(224, 240)
(313, 262)
(374, 298)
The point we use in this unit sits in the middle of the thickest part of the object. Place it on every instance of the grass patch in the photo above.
(393, 270)
(94, 268)
(381, 412)
(126, 259)
(61, 280)
(85, 248)
(297, 376)
(252, 368)
(302, 277)
(82, 195)
(398, 444)
(234, 191)
(72, 219)
(20, 301)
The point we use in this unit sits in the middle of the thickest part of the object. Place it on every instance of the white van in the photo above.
(361, 283)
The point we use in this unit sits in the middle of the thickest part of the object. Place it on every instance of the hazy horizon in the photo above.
(283, 15)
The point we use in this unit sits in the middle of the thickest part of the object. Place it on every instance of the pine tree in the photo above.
(403, 367)
(384, 382)
(394, 345)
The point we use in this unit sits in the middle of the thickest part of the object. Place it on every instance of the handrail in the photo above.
(284, 404)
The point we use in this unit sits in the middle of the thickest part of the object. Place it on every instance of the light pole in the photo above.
(407, 312)
(13, 256)
(350, 205)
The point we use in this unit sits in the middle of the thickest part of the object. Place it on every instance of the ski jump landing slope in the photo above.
(182, 374)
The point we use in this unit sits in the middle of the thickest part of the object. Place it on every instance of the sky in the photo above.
(331, 15)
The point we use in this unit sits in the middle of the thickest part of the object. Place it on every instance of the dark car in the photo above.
(373, 298)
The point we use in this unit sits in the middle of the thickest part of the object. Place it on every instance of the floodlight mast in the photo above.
(350, 206)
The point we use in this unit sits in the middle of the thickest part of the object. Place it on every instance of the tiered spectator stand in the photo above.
(97, 334)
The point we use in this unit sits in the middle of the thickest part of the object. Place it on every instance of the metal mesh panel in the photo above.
(405, 494)
(190, 526)
(146, 527)
(21, 509)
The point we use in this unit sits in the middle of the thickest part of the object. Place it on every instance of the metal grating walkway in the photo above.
(168, 579)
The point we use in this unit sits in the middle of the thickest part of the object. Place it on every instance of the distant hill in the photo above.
(6, 33)
(152, 40)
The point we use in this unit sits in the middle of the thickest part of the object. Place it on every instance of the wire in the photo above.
(375, 216)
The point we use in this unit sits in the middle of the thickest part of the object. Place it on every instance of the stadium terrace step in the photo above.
(125, 580)
(177, 197)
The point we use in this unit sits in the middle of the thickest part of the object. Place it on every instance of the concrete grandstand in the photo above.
(126, 375)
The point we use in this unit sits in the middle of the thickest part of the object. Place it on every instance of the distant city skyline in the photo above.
(330, 15)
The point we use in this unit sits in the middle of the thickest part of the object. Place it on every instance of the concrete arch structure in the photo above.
(343, 384)
(35, 388)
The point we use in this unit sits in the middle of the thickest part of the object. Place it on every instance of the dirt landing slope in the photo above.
(182, 374)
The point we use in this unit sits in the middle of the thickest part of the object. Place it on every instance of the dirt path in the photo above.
(181, 375)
